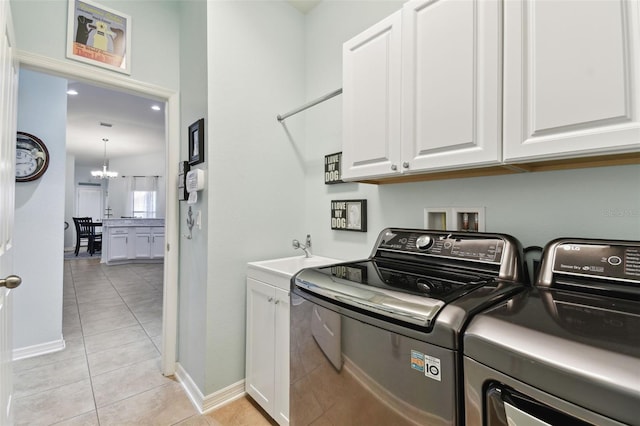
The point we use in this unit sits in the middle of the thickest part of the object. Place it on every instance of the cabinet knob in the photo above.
(270, 299)
(405, 165)
(277, 301)
(394, 167)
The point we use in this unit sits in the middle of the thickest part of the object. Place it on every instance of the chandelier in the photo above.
(104, 173)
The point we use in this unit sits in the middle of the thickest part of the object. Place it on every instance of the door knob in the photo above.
(12, 281)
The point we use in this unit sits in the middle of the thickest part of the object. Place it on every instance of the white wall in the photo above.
(256, 169)
(535, 207)
(192, 322)
(39, 230)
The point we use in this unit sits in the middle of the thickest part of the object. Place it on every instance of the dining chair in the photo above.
(81, 234)
(94, 239)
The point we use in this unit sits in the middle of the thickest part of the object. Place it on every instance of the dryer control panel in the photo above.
(611, 261)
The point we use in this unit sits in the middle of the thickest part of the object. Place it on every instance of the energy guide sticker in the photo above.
(417, 361)
(432, 367)
(426, 364)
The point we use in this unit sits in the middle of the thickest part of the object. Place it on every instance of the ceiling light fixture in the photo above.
(72, 92)
(104, 173)
(155, 108)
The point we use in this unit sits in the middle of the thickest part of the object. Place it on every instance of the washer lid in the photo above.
(579, 347)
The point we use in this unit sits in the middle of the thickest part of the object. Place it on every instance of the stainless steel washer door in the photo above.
(345, 371)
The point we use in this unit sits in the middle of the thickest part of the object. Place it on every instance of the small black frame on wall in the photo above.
(349, 215)
(332, 172)
(196, 142)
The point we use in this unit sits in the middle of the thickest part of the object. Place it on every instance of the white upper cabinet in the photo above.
(371, 101)
(451, 84)
(422, 90)
(571, 79)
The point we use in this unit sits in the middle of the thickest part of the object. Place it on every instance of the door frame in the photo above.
(102, 78)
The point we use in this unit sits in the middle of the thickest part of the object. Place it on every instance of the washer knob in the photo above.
(424, 242)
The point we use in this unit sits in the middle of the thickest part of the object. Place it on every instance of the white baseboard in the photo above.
(212, 401)
(40, 349)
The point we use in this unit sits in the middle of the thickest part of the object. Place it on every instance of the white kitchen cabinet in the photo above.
(451, 76)
(149, 243)
(142, 246)
(422, 90)
(371, 101)
(571, 79)
(267, 360)
(157, 243)
(133, 240)
(118, 244)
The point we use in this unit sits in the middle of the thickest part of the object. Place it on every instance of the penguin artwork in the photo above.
(103, 36)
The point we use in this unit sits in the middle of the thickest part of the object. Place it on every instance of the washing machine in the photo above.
(566, 351)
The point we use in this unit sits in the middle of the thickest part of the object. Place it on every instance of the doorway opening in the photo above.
(169, 98)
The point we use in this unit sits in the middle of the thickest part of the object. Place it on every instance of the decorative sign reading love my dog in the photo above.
(349, 215)
(332, 164)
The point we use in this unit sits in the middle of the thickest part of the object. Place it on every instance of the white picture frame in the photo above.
(98, 35)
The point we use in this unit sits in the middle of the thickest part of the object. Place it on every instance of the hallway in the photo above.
(109, 372)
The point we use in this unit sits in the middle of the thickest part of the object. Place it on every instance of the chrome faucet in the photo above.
(306, 247)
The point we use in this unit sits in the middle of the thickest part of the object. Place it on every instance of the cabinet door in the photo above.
(260, 344)
(371, 101)
(142, 249)
(572, 78)
(118, 245)
(281, 403)
(451, 84)
(157, 244)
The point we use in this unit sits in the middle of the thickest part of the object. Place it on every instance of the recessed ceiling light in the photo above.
(155, 108)
(72, 92)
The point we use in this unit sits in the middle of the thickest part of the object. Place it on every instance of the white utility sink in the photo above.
(288, 266)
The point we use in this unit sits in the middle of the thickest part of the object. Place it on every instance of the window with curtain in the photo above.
(143, 196)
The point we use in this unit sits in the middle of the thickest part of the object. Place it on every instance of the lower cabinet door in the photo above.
(157, 245)
(118, 247)
(260, 374)
(281, 403)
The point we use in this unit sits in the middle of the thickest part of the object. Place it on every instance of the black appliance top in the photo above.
(413, 274)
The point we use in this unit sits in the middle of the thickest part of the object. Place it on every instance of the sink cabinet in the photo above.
(267, 361)
(267, 350)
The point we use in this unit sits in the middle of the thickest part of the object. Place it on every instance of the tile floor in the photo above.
(109, 372)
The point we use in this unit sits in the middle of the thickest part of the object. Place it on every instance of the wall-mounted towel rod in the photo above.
(309, 104)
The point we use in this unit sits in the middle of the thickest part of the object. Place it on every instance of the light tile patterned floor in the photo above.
(109, 372)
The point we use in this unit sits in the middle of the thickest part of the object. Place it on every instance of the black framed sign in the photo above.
(196, 142)
(332, 170)
(349, 215)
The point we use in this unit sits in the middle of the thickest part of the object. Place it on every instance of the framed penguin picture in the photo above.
(98, 35)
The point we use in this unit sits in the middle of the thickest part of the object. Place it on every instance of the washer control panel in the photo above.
(473, 247)
(598, 260)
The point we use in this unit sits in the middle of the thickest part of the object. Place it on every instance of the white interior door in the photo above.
(89, 202)
(8, 99)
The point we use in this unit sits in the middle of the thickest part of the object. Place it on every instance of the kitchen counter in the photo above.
(129, 240)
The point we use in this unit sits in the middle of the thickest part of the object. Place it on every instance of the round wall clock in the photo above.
(32, 157)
